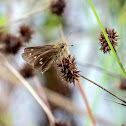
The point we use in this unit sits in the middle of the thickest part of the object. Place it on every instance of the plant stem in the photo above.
(116, 102)
(86, 102)
(41, 90)
(109, 43)
(42, 94)
(28, 86)
(25, 16)
(79, 85)
(102, 88)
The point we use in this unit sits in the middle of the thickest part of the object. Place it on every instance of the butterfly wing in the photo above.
(45, 59)
(31, 53)
(38, 48)
(47, 65)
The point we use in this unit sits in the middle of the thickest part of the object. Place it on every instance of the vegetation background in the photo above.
(17, 105)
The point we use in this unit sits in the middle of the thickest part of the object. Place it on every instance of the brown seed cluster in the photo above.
(122, 84)
(27, 71)
(1, 37)
(112, 37)
(68, 69)
(61, 123)
(10, 44)
(57, 7)
(26, 33)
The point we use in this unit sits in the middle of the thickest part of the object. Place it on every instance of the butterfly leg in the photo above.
(62, 65)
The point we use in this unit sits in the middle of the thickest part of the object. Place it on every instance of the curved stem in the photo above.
(102, 88)
(116, 102)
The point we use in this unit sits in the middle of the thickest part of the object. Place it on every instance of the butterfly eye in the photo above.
(62, 46)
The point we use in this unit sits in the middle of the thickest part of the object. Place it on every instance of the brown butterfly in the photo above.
(43, 56)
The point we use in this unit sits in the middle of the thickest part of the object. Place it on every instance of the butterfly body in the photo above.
(43, 56)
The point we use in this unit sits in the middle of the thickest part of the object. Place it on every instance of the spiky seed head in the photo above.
(26, 33)
(1, 37)
(27, 71)
(122, 84)
(68, 69)
(61, 123)
(11, 44)
(57, 7)
(112, 37)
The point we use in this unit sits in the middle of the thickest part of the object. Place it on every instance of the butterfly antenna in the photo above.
(63, 38)
(70, 45)
(62, 34)
(68, 36)
(115, 102)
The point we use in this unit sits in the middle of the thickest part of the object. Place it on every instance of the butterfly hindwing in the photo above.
(42, 59)
(48, 63)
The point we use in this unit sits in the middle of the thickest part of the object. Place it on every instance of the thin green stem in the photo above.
(109, 43)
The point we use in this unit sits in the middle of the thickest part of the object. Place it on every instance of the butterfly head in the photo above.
(62, 46)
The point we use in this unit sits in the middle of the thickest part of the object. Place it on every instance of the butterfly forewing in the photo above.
(38, 48)
(29, 58)
(31, 53)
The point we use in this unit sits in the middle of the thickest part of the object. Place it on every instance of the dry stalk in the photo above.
(42, 94)
(25, 16)
(79, 85)
(28, 86)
